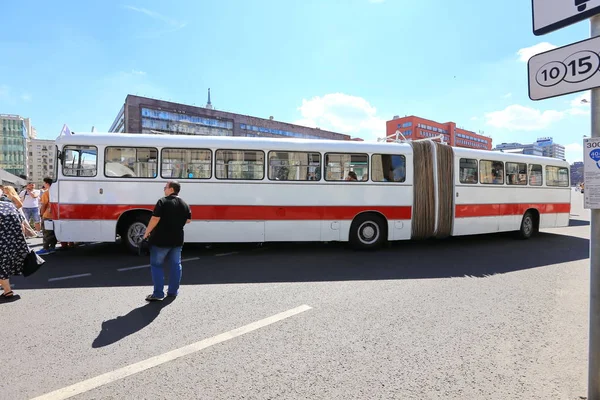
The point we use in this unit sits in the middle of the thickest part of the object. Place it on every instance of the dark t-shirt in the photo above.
(173, 213)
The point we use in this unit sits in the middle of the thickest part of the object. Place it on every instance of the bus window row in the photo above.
(180, 163)
(490, 172)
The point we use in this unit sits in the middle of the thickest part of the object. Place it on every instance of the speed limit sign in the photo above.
(565, 70)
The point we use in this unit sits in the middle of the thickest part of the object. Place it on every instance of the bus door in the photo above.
(477, 188)
(80, 197)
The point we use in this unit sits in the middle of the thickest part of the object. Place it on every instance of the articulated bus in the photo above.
(268, 190)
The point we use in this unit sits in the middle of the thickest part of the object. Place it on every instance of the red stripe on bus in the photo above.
(493, 210)
(239, 213)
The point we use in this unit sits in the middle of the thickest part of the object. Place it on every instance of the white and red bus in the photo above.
(268, 190)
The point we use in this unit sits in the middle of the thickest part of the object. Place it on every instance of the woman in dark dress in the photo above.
(13, 247)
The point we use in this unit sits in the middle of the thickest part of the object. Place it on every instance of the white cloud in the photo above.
(26, 97)
(526, 53)
(507, 95)
(474, 118)
(574, 152)
(578, 111)
(582, 100)
(521, 118)
(153, 14)
(342, 113)
(136, 72)
(376, 1)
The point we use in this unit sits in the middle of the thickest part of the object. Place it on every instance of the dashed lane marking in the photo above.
(148, 265)
(62, 278)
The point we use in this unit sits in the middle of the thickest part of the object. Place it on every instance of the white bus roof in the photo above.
(225, 142)
(320, 145)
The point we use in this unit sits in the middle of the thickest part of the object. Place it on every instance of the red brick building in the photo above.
(420, 128)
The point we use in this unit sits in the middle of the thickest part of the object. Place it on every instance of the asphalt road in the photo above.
(485, 317)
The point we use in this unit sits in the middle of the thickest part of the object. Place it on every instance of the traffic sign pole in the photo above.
(594, 332)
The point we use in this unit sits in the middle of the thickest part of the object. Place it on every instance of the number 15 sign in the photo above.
(565, 70)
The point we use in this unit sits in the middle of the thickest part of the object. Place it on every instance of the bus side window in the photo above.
(186, 163)
(468, 171)
(491, 172)
(80, 161)
(240, 164)
(557, 176)
(536, 176)
(294, 166)
(388, 168)
(346, 167)
(130, 162)
(516, 173)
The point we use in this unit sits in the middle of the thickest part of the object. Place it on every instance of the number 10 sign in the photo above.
(565, 70)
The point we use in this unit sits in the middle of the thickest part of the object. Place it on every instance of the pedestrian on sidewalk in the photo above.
(165, 234)
(46, 211)
(3, 196)
(13, 247)
(31, 205)
(12, 196)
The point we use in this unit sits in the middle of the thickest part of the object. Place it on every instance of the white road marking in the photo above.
(226, 254)
(147, 265)
(62, 278)
(155, 361)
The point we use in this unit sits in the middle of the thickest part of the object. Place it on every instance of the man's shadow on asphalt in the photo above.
(119, 328)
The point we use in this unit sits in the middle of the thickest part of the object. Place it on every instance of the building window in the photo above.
(346, 167)
(80, 161)
(468, 171)
(491, 172)
(294, 166)
(388, 168)
(516, 173)
(130, 162)
(557, 176)
(186, 163)
(240, 164)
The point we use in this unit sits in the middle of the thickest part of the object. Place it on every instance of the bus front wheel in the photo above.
(528, 226)
(133, 233)
(367, 232)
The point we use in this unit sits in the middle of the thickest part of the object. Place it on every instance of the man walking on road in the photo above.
(49, 236)
(165, 233)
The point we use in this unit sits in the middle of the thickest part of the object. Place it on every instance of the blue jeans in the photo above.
(171, 256)
(32, 213)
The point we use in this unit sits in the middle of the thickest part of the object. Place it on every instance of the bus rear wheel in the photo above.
(367, 232)
(133, 232)
(527, 226)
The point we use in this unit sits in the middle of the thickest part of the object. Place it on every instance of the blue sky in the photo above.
(345, 66)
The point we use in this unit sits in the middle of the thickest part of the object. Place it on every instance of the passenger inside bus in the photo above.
(118, 170)
(352, 176)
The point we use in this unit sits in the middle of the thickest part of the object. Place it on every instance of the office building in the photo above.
(531, 149)
(551, 149)
(13, 144)
(41, 157)
(544, 147)
(577, 173)
(146, 115)
(413, 128)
